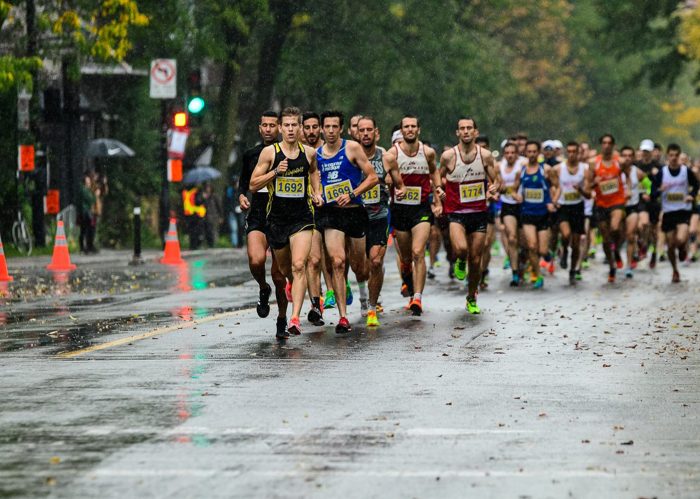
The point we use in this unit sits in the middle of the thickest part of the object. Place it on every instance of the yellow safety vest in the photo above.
(188, 203)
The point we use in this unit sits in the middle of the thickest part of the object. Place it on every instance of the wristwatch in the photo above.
(352, 195)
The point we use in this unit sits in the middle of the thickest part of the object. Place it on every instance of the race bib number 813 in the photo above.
(371, 196)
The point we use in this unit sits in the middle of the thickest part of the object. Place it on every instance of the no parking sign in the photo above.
(163, 79)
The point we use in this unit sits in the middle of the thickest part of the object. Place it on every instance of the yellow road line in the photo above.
(142, 336)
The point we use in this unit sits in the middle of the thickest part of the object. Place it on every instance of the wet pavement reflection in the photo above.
(70, 310)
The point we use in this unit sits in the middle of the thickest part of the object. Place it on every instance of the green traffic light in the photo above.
(196, 105)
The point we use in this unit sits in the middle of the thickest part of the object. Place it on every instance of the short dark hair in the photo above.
(413, 116)
(627, 148)
(606, 135)
(290, 111)
(573, 143)
(310, 115)
(467, 118)
(673, 147)
(521, 136)
(331, 113)
(483, 139)
(370, 118)
(510, 143)
(268, 114)
(534, 142)
(395, 128)
(658, 146)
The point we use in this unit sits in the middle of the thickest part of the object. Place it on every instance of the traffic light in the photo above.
(195, 105)
(195, 102)
(180, 119)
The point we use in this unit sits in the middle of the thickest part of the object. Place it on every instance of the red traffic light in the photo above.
(180, 119)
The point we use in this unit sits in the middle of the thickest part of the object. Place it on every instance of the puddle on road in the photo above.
(72, 309)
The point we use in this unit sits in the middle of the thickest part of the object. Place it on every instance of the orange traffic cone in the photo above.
(60, 260)
(171, 256)
(4, 275)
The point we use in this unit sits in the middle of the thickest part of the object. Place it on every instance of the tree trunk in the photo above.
(270, 52)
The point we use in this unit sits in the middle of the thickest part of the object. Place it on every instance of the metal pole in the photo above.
(165, 188)
(136, 259)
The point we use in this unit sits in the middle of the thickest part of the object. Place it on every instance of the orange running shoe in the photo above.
(416, 306)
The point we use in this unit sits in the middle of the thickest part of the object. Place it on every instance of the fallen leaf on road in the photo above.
(55, 460)
(629, 442)
(606, 365)
(586, 441)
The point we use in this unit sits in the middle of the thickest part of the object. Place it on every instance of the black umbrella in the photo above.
(108, 148)
(201, 174)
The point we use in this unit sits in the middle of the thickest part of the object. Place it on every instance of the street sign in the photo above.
(163, 79)
(177, 140)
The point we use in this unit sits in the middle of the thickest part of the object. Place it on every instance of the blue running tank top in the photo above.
(535, 192)
(338, 175)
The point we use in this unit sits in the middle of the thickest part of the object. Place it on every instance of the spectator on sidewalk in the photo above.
(212, 221)
(86, 215)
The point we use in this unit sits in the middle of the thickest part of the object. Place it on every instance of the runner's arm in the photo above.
(438, 192)
(656, 185)
(363, 164)
(554, 183)
(492, 174)
(315, 179)
(694, 185)
(392, 169)
(262, 174)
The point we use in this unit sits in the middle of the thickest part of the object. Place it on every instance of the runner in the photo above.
(493, 211)
(533, 193)
(677, 186)
(288, 170)
(352, 128)
(632, 226)
(376, 201)
(695, 218)
(311, 127)
(567, 180)
(649, 209)
(605, 175)
(412, 215)
(471, 178)
(256, 225)
(509, 172)
(343, 165)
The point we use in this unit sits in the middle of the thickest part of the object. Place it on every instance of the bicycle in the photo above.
(21, 236)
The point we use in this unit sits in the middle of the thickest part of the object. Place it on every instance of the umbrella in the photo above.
(108, 148)
(201, 174)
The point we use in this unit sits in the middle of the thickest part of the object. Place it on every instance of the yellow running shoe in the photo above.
(372, 320)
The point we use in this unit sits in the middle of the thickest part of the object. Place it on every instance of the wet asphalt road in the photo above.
(586, 392)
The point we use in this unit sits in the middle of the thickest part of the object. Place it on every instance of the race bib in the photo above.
(334, 191)
(372, 196)
(675, 197)
(510, 190)
(572, 196)
(289, 187)
(609, 186)
(468, 193)
(534, 195)
(412, 196)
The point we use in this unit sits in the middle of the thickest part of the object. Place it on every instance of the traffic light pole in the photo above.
(165, 187)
